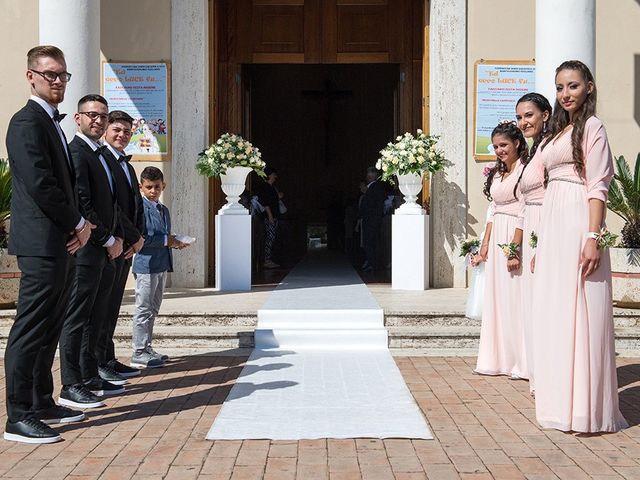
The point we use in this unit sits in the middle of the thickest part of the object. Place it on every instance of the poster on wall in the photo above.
(498, 86)
(141, 90)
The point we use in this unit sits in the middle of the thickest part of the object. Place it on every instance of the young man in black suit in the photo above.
(117, 137)
(46, 230)
(95, 271)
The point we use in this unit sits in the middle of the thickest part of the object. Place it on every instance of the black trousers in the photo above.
(105, 348)
(84, 319)
(371, 230)
(33, 339)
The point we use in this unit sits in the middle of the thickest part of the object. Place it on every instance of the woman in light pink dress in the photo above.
(532, 113)
(574, 352)
(501, 334)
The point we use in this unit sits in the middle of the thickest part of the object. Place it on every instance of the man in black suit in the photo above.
(371, 212)
(95, 271)
(46, 229)
(117, 137)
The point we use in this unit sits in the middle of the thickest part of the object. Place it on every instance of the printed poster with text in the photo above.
(141, 90)
(498, 88)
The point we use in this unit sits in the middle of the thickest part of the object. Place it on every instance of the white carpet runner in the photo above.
(321, 367)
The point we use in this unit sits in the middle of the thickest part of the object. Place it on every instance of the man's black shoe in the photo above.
(79, 396)
(101, 387)
(59, 414)
(30, 430)
(124, 370)
(110, 375)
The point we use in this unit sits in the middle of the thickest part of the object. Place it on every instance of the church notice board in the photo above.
(498, 85)
(143, 91)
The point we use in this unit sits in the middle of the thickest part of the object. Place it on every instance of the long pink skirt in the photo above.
(574, 352)
(501, 349)
(531, 223)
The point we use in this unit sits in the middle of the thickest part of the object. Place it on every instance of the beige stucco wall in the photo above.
(504, 29)
(18, 33)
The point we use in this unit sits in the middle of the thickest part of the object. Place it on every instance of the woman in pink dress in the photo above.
(533, 111)
(574, 353)
(501, 335)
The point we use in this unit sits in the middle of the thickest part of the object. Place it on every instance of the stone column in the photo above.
(189, 135)
(565, 30)
(448, 118)
(74, 27)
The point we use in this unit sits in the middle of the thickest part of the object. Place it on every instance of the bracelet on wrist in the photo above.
(604, 238)
(84, 227)
(510, 250)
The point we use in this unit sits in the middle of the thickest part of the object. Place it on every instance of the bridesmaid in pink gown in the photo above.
(574, 352)
(501, 335)
(532, 114)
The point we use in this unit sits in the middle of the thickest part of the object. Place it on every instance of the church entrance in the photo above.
(320, 127)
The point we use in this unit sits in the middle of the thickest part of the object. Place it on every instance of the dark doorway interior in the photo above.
(320, 126)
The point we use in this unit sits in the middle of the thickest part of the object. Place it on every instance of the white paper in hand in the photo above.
(186, 239)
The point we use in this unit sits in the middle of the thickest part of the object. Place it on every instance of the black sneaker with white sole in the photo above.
(107, 373)
(124, 370)
(79, 396)
(30, 430)
(59, 414)
(102, 388)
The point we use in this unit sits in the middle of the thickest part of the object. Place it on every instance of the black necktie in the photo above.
(57, 116)
(124, 158)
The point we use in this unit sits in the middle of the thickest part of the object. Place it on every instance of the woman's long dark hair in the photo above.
(542, 104)
(560, 118)
(513, 133)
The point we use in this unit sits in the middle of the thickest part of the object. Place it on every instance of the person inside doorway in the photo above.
(371, 213)
(269, 198)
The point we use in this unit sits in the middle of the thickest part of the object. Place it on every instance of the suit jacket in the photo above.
(372, 204)
(44, 203)
(129, 199)
(97, 202)
(154, 257)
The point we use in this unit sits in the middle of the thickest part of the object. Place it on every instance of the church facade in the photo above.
(321, 85)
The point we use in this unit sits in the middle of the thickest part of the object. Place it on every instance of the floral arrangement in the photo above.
(606, 239)
(469, 246)
(510, 250)
(486, 171)
(533, 240)
(410, 154)
(230, 150)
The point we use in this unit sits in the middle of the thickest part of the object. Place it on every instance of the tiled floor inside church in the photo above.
(484, 428)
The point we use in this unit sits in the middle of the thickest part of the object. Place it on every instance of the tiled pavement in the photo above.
(484, 428)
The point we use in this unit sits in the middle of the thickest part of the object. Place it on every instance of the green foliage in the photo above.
(469, 246)
(229, 151)
(624, 200)
(5, 200)
(410, 154)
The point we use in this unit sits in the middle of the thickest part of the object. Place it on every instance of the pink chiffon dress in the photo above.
(532, 192)
(501, 349)
(574, 353)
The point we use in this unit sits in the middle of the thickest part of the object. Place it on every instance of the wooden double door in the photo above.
(349, 64)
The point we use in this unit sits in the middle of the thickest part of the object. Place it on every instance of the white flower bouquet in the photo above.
(410, 154)
(230, 150)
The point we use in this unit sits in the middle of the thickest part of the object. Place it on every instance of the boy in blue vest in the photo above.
(150, 268)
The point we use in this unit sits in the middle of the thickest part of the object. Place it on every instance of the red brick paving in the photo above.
(484, 428)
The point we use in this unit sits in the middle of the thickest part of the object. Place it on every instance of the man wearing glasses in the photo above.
(46, 230)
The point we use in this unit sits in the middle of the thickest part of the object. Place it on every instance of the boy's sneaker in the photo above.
(79, 396)
(59, 414)
(161, 356)
(110, 375)
(124, 370)
(30, 430)
(101, 387)
(145, 360)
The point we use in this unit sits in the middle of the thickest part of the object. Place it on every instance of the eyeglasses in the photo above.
(51, 77)
(95, 115)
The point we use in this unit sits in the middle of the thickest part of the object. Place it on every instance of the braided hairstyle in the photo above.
(510, 130)
(560, 118)
(542, 104)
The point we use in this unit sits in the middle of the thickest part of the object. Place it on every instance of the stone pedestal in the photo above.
(410, 252)
(233, 252)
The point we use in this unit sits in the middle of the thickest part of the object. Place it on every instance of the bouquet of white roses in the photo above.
(230, 150)
(410, 154)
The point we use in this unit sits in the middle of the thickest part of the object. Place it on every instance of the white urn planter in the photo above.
(625, 273)
(410, 186)
(233, 183)
(9, 280)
